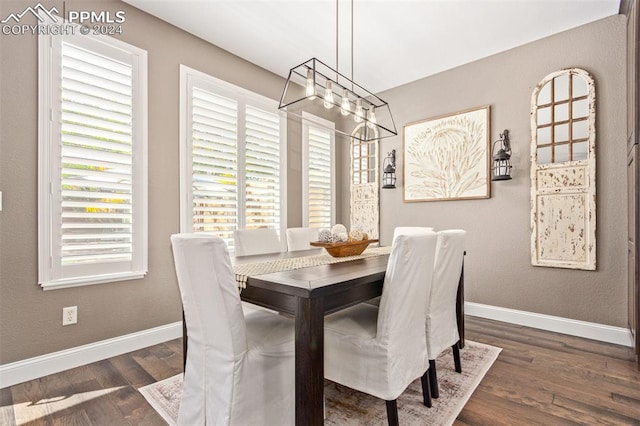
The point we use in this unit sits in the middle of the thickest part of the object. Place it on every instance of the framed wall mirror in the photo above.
(563, 171)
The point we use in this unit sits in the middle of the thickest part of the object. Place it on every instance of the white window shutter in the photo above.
(96, 158)
(262, 165)
(318, 158)
(214, 163)
(232, 158)
(92, 185)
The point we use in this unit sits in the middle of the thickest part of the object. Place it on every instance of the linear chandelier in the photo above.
(313, 82)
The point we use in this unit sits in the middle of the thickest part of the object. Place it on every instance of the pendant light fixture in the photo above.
(320, 81)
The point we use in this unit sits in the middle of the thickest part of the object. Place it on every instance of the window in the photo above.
(92, 161)
(318, 158)
(232, 158)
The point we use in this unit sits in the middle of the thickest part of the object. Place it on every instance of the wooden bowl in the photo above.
(343, 249)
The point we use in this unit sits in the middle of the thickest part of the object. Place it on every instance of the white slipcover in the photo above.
(240, 370)
(401, 230)
(381, 351)
(299, 238)
(408, 230)
(442, 325)
(256, 241)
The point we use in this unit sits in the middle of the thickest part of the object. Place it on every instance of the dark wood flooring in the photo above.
(539, 378)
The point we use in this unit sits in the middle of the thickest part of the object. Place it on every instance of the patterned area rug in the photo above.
(346, 406)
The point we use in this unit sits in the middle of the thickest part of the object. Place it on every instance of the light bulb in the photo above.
(310, 91)
(359, 114)
(328, 95)
(345, 107)
(371, 118)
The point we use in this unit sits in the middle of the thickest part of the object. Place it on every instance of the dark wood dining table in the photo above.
(308, 294)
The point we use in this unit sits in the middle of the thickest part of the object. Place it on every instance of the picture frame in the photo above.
(448, 157)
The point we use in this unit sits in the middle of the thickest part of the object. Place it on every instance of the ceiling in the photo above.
(394, 41)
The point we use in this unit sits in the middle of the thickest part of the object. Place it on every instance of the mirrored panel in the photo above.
(580, 108)
(580, 129)
(561, 88)
(544, 135)
(561, 112)
(544, 155)
(561, 133)
(544, 97)
(579, 87)
(561, 153)
(580, 151)
(544, 116)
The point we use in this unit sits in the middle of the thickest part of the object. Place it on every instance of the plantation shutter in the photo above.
(92, 161)
(96, 192)
(262, 166)
(214, 162)
(319, 178)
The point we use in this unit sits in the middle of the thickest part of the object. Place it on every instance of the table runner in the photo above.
(243, 271)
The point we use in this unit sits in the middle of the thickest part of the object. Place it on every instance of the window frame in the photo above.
(51, 274)
(312, 121)
(189, 77)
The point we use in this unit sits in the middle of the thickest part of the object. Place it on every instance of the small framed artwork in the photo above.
(448, 157)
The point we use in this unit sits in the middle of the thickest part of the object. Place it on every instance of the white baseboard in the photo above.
(40, 366)
(589, 330)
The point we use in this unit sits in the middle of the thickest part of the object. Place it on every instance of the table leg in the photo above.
(460, 307)
(309, 361)
(184, 342)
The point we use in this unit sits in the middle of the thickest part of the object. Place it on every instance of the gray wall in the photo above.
(498, 270)
(30, 318)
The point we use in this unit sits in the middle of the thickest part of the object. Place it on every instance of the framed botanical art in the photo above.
(448, 157)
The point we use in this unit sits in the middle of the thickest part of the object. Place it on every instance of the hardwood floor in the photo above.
(539, 378)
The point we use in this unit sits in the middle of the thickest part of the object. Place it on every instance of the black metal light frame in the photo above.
(502, 158)
(389, 170)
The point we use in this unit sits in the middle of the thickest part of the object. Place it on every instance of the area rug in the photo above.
(345, 406)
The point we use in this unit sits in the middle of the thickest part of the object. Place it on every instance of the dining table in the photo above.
(308, 294)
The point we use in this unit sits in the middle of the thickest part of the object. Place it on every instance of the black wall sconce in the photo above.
(389, 170)
(502, 158)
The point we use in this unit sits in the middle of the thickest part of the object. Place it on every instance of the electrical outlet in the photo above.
(70, 315)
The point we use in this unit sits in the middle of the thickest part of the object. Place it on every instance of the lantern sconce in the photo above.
(502, 158)
(389, 170)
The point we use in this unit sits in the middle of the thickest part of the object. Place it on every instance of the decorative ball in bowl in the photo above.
(346, 248)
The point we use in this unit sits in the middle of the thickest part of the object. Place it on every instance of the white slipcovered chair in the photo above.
(256, 241)
(408, 230)
(401, 230)
(299, 238)
(442, 325)
(239, 369)
(380, 351)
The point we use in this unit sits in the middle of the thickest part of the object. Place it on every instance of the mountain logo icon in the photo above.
(36, 11)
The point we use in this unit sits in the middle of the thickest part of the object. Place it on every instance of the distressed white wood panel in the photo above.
(563, 194)
(365, 208)
(365, 196)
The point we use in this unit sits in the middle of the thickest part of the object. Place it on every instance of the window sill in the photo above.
(96, 279)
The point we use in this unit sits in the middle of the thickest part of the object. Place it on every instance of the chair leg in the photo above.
(456, 357)
(426, 392)
(433, 379)
(392, 412)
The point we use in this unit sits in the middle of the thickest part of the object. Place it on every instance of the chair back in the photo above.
(408, 230)
(299, 238)
(441, 326)
(256, 241)
(213, 315)
(402, 310)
